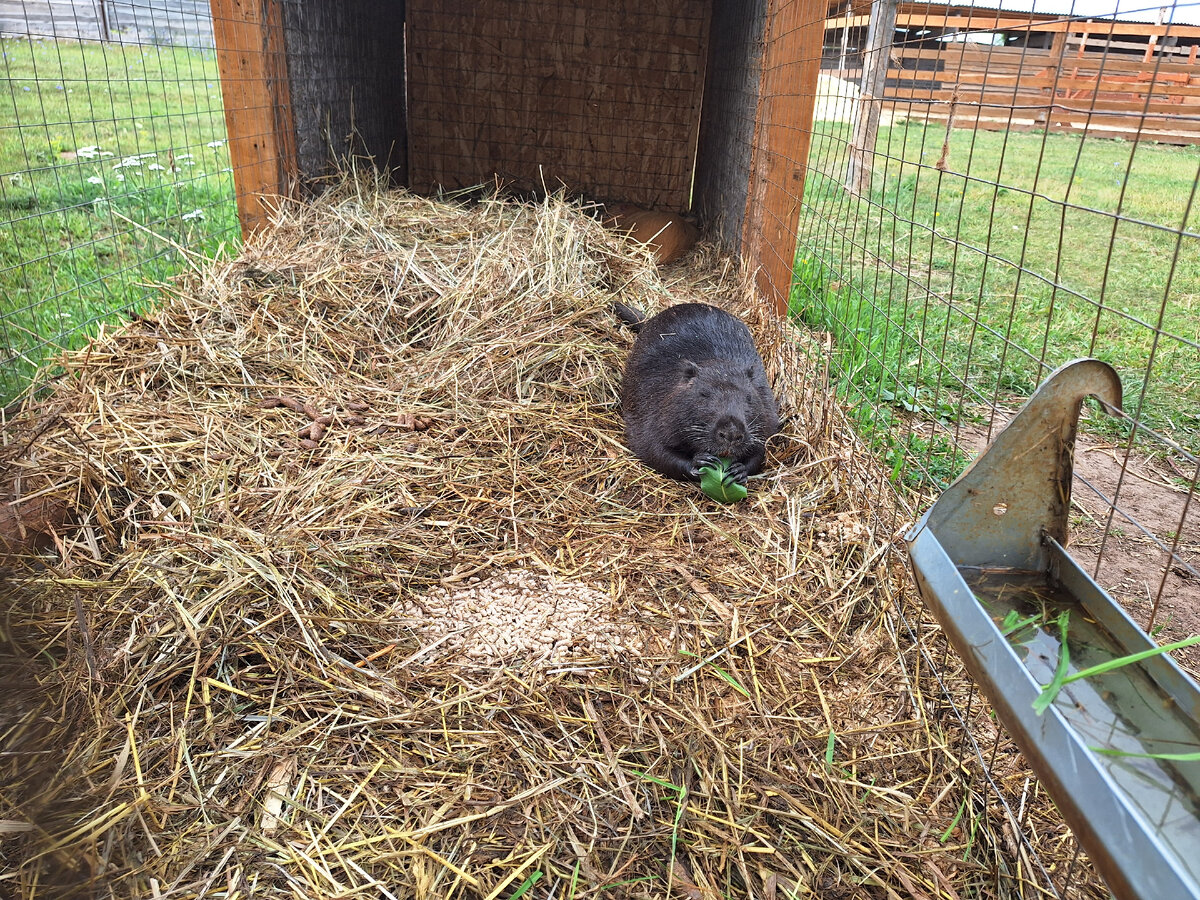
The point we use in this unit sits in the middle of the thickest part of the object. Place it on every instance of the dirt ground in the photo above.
(1157, 590)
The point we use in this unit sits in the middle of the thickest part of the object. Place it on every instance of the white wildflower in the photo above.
(95, 179)
(194, 214)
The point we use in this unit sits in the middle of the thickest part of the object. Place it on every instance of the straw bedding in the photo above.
(362, 596)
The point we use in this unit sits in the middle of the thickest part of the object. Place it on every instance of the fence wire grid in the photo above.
(984, 252)
(1028, 196)
(113, 163)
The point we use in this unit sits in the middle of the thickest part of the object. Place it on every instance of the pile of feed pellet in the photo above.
(519, 615)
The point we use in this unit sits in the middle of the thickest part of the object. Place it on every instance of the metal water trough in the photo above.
(991, 547)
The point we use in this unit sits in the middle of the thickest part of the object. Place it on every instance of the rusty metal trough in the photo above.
(990, 553)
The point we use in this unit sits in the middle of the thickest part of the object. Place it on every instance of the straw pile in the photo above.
(362, 596)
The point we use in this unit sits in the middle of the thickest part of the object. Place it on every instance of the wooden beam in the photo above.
(1007, 21)
(787, 93)
(258, 114)
(1058, 45)
(876, 58)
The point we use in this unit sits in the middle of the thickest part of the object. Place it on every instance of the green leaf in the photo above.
(1050, 691)
(529, 882)
(717, 483)
(1043, 700)
(1013, 626)
(733, 681)
(1171, 757)
(954, 822)
(656, 780)
(1103, 667)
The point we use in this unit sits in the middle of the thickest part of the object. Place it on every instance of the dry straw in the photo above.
(250, 665)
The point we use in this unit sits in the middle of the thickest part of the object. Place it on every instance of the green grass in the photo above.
(951, 291)
(867, 355)
(95, 139)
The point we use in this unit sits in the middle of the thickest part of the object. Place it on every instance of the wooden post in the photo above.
(877, 57)
(845, 41)
(105, 33)
(787, 95)
(1058, 43)
(258, 113)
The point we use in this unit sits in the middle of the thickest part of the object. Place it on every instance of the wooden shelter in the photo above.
(999, 69)
(702, 105)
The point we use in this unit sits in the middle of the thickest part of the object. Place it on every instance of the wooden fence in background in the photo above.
(1070, 88)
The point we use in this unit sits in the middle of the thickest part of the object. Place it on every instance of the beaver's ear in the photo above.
(690, 370)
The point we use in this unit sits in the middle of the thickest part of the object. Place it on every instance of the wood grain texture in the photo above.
(258, 114)
(599, 97)
(791, 63)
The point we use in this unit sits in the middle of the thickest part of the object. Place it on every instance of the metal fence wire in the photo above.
(113, 165)
(990, 194)
(984, 248)
(987, 195)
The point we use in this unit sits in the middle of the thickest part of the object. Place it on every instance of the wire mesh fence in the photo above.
(978, 260)
(113, 163)
(1029, 197)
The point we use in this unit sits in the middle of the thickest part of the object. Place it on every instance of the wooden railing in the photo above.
(994, 88)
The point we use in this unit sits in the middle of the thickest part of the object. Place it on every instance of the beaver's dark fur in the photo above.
(695, 391)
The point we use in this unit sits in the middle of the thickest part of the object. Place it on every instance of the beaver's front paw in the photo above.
(737, 473)
(704, 461)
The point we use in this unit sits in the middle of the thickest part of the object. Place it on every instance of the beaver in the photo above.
(695, 391)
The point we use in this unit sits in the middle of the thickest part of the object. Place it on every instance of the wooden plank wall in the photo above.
(1105, 94)
(346, 67)
(598, 96)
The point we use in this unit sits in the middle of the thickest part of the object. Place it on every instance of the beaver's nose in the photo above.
(730, 433)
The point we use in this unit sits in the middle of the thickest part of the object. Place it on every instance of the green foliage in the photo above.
(1050, 691)
(526, 885)
(717, 483)
(117, 160)
(1020, 629)
(1170, 757)
(877, 369)
(1061, 678)
(724, 675)
(950, 291)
